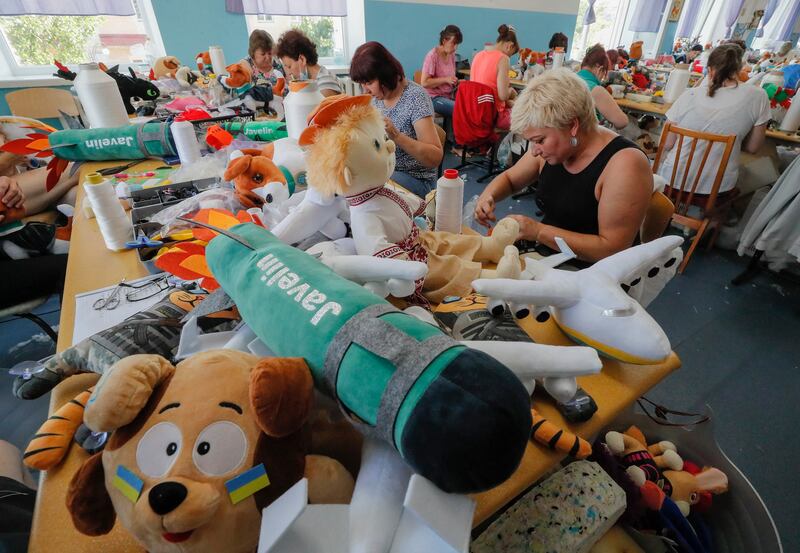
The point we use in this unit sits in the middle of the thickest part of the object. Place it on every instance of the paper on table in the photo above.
(89, 320)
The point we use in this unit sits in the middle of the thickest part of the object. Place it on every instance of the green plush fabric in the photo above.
(130, 142)
(261, 131)
(480, 429)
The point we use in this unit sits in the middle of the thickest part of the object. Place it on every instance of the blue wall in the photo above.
(191, 26)
(668, 39)
(410, 30)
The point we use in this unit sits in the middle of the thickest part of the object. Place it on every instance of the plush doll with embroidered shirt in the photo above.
(198, 449)
(351, 155)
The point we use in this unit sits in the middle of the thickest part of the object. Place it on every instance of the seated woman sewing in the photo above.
(594, 186)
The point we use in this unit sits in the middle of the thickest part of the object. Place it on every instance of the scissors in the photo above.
(111, 301)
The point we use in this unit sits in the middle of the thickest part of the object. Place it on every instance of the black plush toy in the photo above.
(129, 86)
(133, 87)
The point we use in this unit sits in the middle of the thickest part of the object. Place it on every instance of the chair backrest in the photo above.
(418, 76)
(657, 217)
(680, 190)
(442, 134)
(41, 103)
(442, 139)
(474, 114)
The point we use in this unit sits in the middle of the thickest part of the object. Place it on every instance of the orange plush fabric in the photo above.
(180, 433)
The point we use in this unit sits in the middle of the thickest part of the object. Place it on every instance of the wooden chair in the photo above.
(42, 103)
(713, 206)
(443, 139)
(657, 218)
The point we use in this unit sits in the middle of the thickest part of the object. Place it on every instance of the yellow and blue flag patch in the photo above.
(247, 483)
(128, 483)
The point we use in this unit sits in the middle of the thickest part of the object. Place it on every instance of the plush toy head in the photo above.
(184, 463)
(203, 60)
(688, 489)
(257, 179)
(166, 66)
(239, 74)
(349, 149)
(636, 50)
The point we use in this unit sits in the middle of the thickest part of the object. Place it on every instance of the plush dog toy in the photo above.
(203, 60)
(257, 179)
(166, 66)
(198, 449)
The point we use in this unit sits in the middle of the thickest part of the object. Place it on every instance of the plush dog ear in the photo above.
(268, 150)
(124, 390)
(237, 166)
(281, 394)
(88, 501)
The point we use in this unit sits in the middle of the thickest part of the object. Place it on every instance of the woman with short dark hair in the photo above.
(298, 54)
(408, 113)
(439, 71)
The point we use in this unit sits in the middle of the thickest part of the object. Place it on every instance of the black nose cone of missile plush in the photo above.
(471, 426)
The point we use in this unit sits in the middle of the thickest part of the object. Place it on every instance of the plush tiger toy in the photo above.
(558, 439)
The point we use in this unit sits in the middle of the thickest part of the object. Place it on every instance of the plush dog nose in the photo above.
(165, 497)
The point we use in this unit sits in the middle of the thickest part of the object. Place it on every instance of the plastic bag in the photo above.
(215, 198)
(791, 75)
(469, 215)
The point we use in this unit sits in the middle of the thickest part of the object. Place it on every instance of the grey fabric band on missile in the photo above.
(409, 356)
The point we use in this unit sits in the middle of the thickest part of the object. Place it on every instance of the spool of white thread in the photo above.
(100, 97)
(791, 121)
(303, 97)
(558, 59)
(185, 142)
(676, 85)
(114, 223)
(449, 202)
(217, 59)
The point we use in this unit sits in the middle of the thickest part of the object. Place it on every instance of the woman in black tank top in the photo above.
(594, 186)
(568, 200)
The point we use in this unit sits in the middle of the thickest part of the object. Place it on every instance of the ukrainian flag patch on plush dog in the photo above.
(128, 483)
(247, 483)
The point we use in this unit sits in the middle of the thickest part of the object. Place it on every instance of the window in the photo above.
(611, 28)
(328, 33)
(30, 43)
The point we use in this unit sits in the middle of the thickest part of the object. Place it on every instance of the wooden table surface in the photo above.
(92, 266)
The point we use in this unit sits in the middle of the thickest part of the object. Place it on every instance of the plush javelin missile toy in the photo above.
(457, 415)
(590, 305)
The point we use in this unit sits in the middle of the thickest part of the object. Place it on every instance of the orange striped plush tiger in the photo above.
(558, 439)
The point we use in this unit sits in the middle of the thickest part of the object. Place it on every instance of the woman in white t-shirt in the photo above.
(720, 105)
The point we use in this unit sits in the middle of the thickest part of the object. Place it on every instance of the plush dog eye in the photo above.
(258, 177)
(220, 448)
(158, 449)
(377, 144)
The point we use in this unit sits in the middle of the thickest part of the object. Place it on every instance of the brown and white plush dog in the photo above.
(257, 179)
(181, 437)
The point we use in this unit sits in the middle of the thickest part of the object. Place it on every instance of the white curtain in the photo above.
(66, 7)
(331, 8)
(769, 11)
(732, 9)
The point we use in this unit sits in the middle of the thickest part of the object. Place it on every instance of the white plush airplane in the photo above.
(591, 306)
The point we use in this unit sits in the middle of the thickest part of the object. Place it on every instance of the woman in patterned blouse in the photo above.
(408, 113)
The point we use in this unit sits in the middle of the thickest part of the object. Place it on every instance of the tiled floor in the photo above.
(740, 348)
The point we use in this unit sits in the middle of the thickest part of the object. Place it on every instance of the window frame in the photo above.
(325, 61)
(144, 8)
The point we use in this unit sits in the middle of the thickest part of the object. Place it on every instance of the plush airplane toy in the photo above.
(592, 307)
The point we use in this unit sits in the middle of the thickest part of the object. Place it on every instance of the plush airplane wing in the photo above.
(535, 268)
(366, 268)
(528, 360)
(629, 263)
(530, 292)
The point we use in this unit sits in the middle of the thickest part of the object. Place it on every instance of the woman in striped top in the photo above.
(299, 58)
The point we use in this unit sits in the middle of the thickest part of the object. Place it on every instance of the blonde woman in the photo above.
(593, 185)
